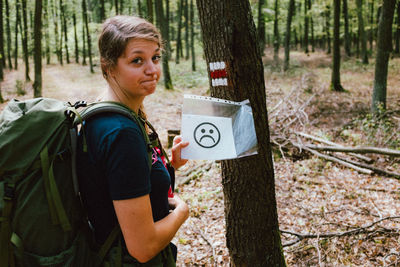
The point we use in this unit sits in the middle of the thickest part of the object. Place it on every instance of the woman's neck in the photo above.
(133, 104)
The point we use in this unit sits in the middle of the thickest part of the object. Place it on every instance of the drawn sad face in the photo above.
(207, 135)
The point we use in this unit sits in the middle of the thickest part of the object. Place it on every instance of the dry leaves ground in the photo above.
(313, 196)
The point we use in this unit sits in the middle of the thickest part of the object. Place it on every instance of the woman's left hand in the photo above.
(176, 159)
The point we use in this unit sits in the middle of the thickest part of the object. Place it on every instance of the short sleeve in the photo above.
(127, 168)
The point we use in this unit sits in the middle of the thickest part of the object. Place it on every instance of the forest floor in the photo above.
(347, 218)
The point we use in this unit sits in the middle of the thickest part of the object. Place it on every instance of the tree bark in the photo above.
(164, 31)
(363, 37)
(186, 14)
(46, 30)
(312, 27)
(346, 29)
(83, 45)
(397, 47)
(179, 38)
(384, 47)
(8, 29)
(252, 232)
(261, 26)
(335, 82)
(102, 11)
(88, 39)
(192, 35)
(24, 34)
(287, 37)
(150, 13)
(371, 23)
(2, 65)
(37, 85)
(328, 27)
(276, 33)
(116, 7)
(56, 40)
(64, 26)
(76, 39)
(306, 19)
(17, 27)
(140, 9)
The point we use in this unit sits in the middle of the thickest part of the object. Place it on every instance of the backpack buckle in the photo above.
(79, 104)
(9, 191)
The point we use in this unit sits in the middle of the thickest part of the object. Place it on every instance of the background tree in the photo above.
(384, 47)
(192, 40)
(306, 19)
(252, 235)
(179, 37)
(328, 26)
(335, 81)
(261, 26)
(24, 34)
(363, 37)
(346, 29)
(287, 36)
(2, 61)
(150, 13)
(276, 33)
(164, 32)
(88, 39)
(37, 85)
(64, 28)
(17, 27)
(8, 30)
(397, 47)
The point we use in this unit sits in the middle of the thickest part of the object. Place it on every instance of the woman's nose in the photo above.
(151, 68)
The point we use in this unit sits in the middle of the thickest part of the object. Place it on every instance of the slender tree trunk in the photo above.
(64, 26)
(2, 61)
(25, 40)
(335, 82)
(312, 27)
(9, 38)
(371, 23)
(261, 26)
(121, 7)
(187, 30)
(140, 9)
(83, 45)
(37, 85)
(287, 37)
(116, 7)
(46, 30)
(346, 29)
(328, 27)
(164, 31)
(276, 33)
(362, 35)
(89, 45)
(1, 96)
(76, 39)
(179, 38)
(56, 38)
(17, 27)
(150, 12)
(192, 35)
(397, 47)
(384, 47)
(252, 232)
(306, 19)
(102, 11)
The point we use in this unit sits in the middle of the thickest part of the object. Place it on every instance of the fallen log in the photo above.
(362, 150)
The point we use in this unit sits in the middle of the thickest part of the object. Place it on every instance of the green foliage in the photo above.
(20, 87)
(184, 77)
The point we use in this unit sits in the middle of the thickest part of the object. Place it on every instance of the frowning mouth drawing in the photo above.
(206, 135)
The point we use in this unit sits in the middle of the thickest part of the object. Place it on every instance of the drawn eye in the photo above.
(203, 131)
(211, 131)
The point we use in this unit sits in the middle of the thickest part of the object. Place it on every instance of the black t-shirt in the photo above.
(116, 167)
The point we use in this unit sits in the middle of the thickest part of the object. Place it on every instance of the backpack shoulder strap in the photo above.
(116, 107)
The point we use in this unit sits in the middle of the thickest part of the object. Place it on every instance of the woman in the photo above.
(117, 185)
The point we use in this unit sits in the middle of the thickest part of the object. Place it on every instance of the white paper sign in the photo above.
(209, 137)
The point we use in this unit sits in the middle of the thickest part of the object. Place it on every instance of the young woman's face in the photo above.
(138, 68)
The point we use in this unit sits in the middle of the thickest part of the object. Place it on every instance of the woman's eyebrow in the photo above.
(142, 52)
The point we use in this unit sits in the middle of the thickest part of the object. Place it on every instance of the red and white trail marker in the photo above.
(218, 74)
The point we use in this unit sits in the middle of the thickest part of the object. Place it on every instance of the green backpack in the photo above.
(42, 220)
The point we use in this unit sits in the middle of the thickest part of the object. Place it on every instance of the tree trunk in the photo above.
(384, 47)
(363, 37)
(1, 96)
(8, 29)
(102, 11)
(346, 29)
(64, 26)
(312, 27)
(56, 40)
(187, 30)
(88, 39)
(287, 37)
(335, 82)
(276, 33)
(116, 7)
(179, 38)
(328, 27)
(192, 35)
(37, 85)
(252, 232)
(150, 13)
(76, 39)
(371, 23)
(306, 18)
(397, 47)
(164, 31)
(83, 45)
(46, 30)
(261, 26)
(17, 27)
(2, 65)
(24, 34)
(140, 9)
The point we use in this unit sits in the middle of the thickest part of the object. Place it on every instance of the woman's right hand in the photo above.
(178, 205)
